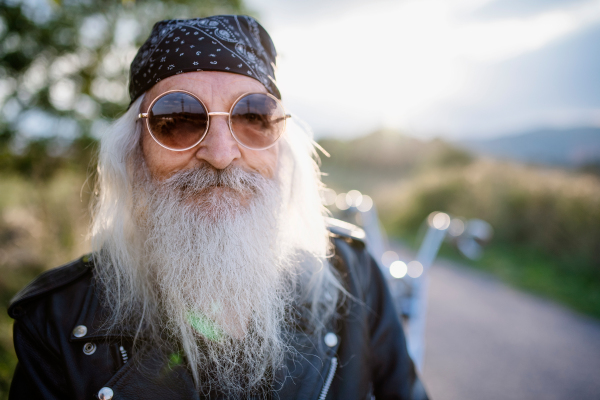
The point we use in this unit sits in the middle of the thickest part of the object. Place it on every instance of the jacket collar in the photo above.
(92, 316)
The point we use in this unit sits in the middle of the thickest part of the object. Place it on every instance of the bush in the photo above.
(555, 212)
(43, 224)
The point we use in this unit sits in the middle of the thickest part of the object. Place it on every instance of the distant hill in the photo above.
(568, 147)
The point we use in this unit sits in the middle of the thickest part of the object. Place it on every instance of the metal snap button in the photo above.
(331, 339)
(105, 393)
(80, 331)
(89, 348)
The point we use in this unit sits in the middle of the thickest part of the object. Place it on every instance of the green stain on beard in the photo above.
(204, 326)
(175, 359)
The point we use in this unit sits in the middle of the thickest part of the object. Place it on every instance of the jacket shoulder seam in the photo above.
(49, 281)
(355, 262)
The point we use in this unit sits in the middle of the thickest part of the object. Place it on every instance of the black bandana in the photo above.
(228, 43)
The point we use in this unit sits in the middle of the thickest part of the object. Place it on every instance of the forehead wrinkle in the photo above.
(208, 86)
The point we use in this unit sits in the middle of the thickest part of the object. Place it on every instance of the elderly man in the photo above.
(214, 273)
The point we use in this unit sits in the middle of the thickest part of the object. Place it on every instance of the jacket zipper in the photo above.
(332, 369)
(123, 354)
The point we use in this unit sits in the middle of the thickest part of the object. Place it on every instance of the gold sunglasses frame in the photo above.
(214, 113)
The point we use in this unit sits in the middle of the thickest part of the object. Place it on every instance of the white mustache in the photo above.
(193, 181)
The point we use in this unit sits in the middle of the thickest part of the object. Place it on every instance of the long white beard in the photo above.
(219, 272)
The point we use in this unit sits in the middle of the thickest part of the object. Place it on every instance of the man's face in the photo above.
(218, 91)
(210, 223)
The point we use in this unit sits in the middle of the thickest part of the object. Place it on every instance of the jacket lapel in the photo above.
(305, 369)
(152, 376)
(149, 374)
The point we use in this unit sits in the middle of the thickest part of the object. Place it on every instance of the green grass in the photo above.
(42, 225)
(529, 269)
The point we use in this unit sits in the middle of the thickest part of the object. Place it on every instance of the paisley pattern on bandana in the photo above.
(228, 43)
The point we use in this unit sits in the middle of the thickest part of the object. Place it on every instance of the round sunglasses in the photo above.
(178, 120)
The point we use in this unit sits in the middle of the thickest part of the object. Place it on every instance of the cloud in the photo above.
(421, 66)
(501, 9)
(554, 86)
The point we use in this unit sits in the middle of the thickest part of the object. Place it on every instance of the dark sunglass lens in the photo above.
(257, 120)
(178, 120)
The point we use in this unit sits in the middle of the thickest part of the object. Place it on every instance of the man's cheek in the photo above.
(265, 163)
(162, 163)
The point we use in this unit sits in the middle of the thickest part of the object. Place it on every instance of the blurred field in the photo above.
(42, 225)
(546, 221)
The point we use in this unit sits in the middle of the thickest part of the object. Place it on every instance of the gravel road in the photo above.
(487, 341)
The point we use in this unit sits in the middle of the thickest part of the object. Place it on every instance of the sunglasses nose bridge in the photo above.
(224, 114)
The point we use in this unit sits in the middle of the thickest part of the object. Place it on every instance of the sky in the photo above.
(453, 69)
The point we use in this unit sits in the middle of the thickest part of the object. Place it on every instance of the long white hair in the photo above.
(114, 229)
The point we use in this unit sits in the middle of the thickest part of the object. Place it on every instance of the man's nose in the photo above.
(218, 148)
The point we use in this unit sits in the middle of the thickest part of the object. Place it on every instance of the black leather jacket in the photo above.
(366, 357)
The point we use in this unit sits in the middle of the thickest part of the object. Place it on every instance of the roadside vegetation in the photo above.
(43, 223)
(546, 221)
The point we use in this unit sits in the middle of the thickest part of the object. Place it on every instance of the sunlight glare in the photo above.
(398, 269)
(390, 62)
(415, 269)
